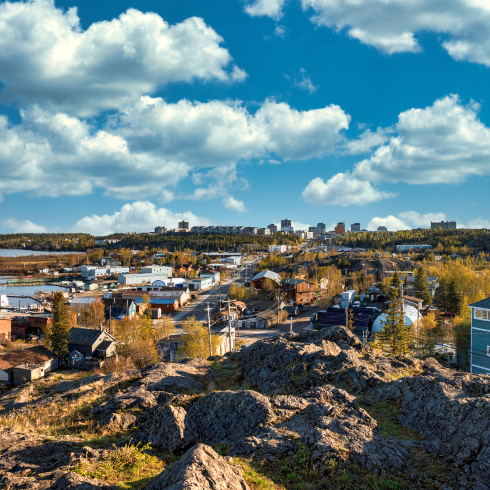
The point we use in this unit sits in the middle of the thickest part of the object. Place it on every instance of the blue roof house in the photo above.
(480, 337)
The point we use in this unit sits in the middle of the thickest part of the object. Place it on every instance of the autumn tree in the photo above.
(164, 327)
(57, 340)
(136, 340)
(350, 325)
(147, 303)
(428, 334)
(195, 340)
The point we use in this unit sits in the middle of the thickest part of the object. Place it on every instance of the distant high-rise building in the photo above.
(183, 225)
(355, 227)
(272, 227)
(340, 228)
(285, 223)
(322, 226)
(382, 228)
(160, 230)
(445, 225)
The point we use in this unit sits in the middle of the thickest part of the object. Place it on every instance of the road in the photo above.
(211, 296)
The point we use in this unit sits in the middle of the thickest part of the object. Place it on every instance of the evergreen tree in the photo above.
(395, 338)
(442, 294)
(422, 286)
(395, 282)
(453, 298)
(58, 338)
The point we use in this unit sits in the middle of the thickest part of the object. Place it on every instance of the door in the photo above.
(253, 324)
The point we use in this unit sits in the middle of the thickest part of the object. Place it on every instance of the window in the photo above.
(484, 314)
(477, 313)
(488, 350)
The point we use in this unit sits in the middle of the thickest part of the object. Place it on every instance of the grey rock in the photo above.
(300, 362)
(164, 430)
(439, 405)
(227, 416)
(119, 421)
(200, 468)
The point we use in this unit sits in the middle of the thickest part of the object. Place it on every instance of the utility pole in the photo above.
(208, 309)
(347, 318)
(110, 320)
(229, 323)
(278, 304)
(291, 325)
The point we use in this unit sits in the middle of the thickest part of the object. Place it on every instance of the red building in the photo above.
(5, 329)
(298, 290)
(22, 326)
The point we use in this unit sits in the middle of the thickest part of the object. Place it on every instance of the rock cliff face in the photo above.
(320, 404)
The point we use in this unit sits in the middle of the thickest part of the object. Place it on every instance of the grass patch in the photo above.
(231, 377)
(128, 467)
(193, 399)
(256, 480)
(386, 414)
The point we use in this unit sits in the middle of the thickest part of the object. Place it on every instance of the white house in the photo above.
(198, 284)
(157, 269)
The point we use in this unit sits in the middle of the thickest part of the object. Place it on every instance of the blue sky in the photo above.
(120, 116)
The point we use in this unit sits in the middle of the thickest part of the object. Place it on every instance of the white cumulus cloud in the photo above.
(46, 57)
(151, 145)
(25, 226)
(342, 190)
(391, 26)
(406, 221)
(269, 8)
(234, 204)
(139, 216)
(443, 143)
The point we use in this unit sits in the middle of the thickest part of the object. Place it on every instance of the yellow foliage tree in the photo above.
(195, 340)
(164, 327)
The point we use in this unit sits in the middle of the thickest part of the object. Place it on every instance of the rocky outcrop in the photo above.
(170, 378)
(329, 421)
(441, 405)
(227, 416)
(200, 468)
(164, 430)
(118, 421)
(26, 398)
(295, 363)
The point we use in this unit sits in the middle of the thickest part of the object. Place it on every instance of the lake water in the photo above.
(26, 291)
(12, 252)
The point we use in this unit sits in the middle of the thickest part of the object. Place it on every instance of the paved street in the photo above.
(198, 306)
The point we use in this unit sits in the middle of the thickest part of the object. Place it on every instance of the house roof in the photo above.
(118, 302)
(413, 299)
(484, 303)
(33, 355)
(159, 301)
(293, 282)
(267, 274)
(83, 300)
(85, 336)
(104, 345)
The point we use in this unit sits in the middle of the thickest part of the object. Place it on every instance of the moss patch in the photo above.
(128, 467)
(386, 414)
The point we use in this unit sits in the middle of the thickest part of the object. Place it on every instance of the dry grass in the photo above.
(72, 417)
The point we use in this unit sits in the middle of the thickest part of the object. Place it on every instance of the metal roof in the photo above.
(83, 300)
(484, 303)
(293, 281)
(85, 336)
(268, 274)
